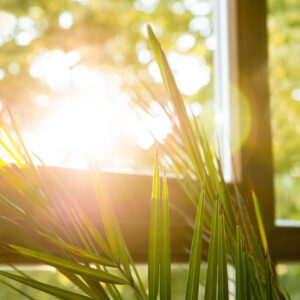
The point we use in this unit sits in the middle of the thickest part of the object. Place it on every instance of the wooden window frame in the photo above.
(256, 154)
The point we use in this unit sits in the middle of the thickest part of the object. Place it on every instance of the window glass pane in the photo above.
(66, 68)
(284, 53)
(288, 276)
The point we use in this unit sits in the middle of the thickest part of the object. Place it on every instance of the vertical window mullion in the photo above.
(225, 66)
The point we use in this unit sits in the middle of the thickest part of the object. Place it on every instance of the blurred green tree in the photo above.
(51, 49)
(284, 53)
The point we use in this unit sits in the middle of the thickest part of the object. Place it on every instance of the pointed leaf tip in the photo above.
(150, 31)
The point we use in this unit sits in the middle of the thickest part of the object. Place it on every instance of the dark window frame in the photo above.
(256, 157)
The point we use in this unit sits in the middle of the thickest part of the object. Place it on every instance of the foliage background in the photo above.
(284, 50)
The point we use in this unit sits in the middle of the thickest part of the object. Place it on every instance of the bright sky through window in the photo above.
(76, 68)
(94, 113)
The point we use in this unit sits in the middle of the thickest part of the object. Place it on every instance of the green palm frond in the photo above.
(97, 262)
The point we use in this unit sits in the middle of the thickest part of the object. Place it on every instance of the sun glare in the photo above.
(92, 117)
(89, 115)
(76, 130)
(90, 127)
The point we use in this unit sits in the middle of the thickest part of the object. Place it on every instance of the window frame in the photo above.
(250, 40)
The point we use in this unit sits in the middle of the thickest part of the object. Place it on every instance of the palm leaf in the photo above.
(79, 252)
(222, 264)
(16, 289)
(188, 135)
(154, 243)
(196, 252)
(47, 288)
(240, 272)
(211, 276)
(260, 225)
(70, 266)
(165, 260)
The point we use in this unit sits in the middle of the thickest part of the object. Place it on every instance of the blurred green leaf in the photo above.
(196, 252)
(260, 225)
(55, 291)
(165, 259)
(211, 277)
(79, 252)
(222, 262)
(70, 266)
(154, 235)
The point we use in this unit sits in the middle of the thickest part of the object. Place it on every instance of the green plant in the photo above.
(99, 263)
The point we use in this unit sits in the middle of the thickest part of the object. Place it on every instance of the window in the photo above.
(284, 83)
(243, 26)
(81, 68)
(251, 46)
(61, 70)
